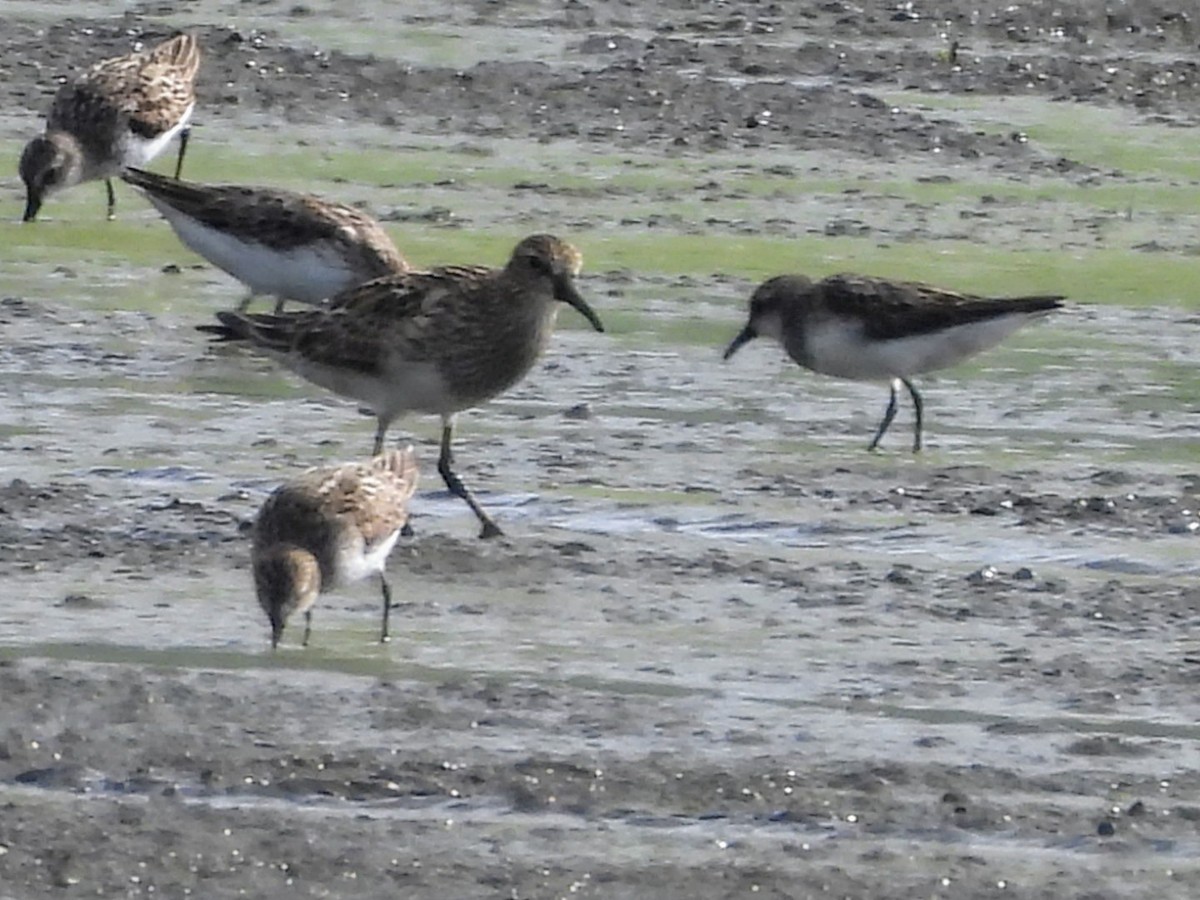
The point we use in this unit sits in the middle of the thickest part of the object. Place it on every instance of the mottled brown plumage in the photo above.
(120, 112)
(435, 342)
(328, 527)
(859, 327)
(281, 243)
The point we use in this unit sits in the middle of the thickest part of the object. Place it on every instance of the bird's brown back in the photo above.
(316, 509)
(151, 89)
(896, 309)
(279, 219)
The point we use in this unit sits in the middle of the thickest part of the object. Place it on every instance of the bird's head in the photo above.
(287, 580)
(769, 305)
(49, 163)
(543, 257)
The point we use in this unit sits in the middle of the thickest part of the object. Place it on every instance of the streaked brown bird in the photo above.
(434, 342)
(329, 527)
(120, 112)
(279, 243)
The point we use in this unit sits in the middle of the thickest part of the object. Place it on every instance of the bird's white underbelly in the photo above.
(405, 387)
(840, 349)
(139, 151)
(307, 274)
(354, 564)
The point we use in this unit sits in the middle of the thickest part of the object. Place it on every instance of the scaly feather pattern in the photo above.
(436, 342)
(330, 526)
(119, 112)
(285, 244)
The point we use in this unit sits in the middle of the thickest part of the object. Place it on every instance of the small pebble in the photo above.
(982, 576)
(81, 601)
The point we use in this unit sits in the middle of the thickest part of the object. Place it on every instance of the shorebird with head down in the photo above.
(120, 112)
(328, 527)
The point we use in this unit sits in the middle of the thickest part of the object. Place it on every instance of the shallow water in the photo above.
(754, 457)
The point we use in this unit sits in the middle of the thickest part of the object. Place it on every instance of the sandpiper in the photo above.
(288, 245)
(435, 342)
(120, 112)
(863, 328)
(331, 526)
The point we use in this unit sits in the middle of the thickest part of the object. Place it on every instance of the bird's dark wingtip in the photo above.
(218, 332)
(228, 329)
(137, 177)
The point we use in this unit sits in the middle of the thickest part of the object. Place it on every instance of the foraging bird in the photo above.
(863, 328)
(120, 112)
(330, 526)
(435, 342)
(280, 243)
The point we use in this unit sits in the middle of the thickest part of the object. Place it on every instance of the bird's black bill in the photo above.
(564, 290)
(745, 336)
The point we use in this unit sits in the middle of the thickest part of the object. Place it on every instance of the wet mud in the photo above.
(722, 651)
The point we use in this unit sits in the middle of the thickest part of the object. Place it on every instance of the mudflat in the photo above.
(722, 651)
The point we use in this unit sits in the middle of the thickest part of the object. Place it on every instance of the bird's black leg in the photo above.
(888, 415)
(112, 200)
(183, 142)
(919, 409)
(307, 627)
(384, 636)
(457, 488)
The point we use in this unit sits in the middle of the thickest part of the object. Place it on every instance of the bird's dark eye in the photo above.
(539, 264)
